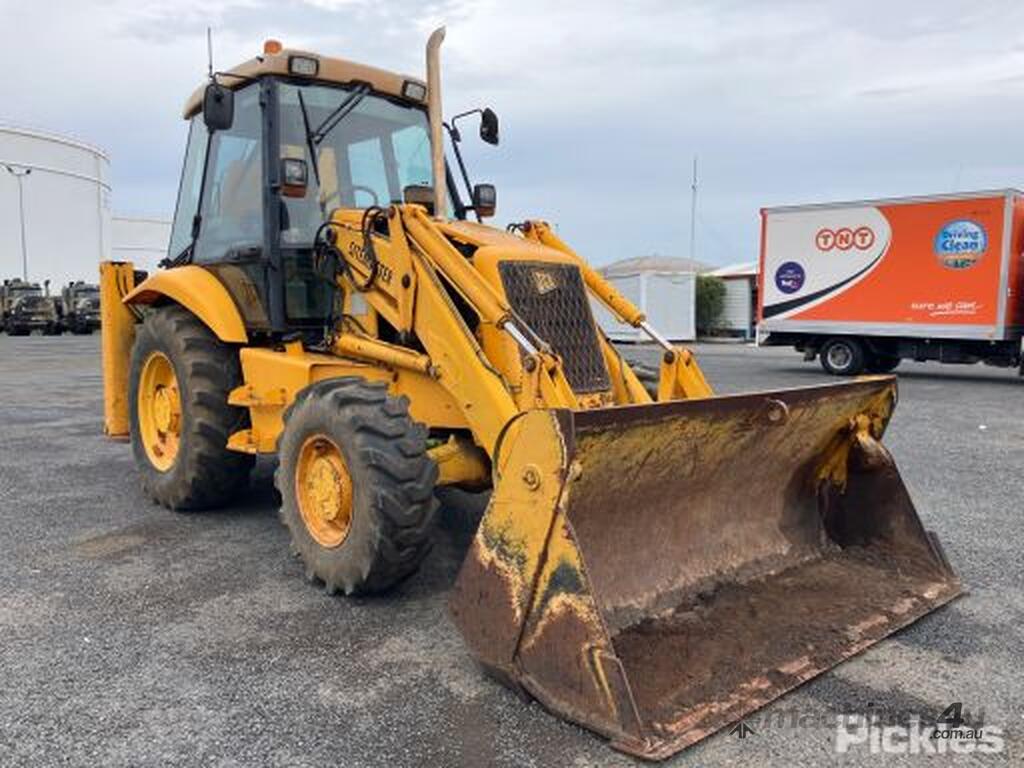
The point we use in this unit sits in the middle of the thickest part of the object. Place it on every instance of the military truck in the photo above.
(11, 291)
(79, 307)
(28, 308)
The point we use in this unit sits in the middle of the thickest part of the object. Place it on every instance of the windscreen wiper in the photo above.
(315, 138)
(340, 113)
(310, 143)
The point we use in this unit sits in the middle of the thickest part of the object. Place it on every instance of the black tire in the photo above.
(842, 356)
(392, 478)
(883, 363)
(17, 330)
(205, 474)
(648, 375)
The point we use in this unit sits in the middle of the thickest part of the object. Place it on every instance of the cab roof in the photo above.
(329, 70)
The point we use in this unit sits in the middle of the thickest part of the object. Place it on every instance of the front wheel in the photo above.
(842, 356)
(180, 419)
(356, 484)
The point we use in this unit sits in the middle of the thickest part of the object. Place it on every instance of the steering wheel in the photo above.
(368, 190)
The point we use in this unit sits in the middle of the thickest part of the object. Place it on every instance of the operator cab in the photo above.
(277, 145)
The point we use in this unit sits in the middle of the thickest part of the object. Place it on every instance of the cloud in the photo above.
(603, 105)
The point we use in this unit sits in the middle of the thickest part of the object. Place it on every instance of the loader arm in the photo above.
(404, 279)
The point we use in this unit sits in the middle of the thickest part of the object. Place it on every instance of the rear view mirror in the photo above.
(294, 177)
(218, 107)
(485, 199)
(489, 126)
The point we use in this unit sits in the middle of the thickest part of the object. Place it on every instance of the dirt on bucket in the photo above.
(775, 627)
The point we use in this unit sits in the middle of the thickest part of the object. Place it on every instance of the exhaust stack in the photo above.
(436, 119)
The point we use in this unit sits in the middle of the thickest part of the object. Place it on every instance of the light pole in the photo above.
(19, 174)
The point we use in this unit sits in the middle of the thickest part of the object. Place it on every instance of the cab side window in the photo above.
(369, 180)
(232, 204)
(188, 191)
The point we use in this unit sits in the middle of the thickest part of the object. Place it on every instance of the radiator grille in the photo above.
(552, 299)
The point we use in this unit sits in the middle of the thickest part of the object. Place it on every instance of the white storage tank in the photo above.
(740, 305)
(663, 288)
(140, 240)
(56, 190)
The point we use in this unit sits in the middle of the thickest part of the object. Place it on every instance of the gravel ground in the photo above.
(130, 635)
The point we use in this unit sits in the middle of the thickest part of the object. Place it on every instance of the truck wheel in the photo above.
(883, 363)
(180, 419)
(356, 484)
(842, 356)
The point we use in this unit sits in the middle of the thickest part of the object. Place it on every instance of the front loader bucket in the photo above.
(657, 572)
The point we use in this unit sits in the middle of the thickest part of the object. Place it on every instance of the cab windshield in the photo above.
(367, 158)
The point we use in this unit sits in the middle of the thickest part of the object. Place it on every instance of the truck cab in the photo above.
(18, 317)
(252, 199)
(79, 307)
(33, 312)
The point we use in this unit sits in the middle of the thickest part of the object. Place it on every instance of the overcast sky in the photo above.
(602, 106)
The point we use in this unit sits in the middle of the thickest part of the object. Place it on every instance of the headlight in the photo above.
(414, 91)
(304, 66)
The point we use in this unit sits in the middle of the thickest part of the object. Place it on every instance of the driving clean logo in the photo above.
(960, 244)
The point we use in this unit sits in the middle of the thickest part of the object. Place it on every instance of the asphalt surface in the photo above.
(130, 635)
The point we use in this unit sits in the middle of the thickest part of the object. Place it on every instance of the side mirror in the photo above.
(485, 200)
(489, 126)
(218, 107)
(294, 177)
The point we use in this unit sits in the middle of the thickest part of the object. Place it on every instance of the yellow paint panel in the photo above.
(273, 379)
(118, 336)
(200, 293)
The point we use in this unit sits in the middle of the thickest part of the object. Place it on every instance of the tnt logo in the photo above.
(845, 238)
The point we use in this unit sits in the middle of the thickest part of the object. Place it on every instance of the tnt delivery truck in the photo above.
(863, 285)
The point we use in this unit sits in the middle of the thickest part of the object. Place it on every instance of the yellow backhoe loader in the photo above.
(651, 568)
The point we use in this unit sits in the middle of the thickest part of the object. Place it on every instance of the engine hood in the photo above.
(495, 244)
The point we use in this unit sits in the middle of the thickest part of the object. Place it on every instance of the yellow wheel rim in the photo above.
(159, 409)
(323, 488)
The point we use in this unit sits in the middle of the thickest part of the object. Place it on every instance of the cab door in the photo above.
(230, 236)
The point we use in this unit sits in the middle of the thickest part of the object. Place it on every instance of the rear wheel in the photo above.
(883, 363)
(356, 484)
(181, 375)
(842, 356)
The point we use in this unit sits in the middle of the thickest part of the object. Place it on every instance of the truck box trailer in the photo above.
(863, 285)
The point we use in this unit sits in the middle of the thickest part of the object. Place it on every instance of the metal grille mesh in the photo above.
(552, 299)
